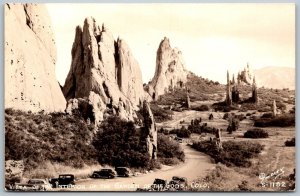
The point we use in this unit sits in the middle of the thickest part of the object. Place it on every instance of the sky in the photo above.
(213, 38)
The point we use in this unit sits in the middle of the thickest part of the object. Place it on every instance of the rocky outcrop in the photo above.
(129, 76)
(30, 57)
(104, 73)
(228, 99)
(254, 92)
(274, 109)
(245, 76)
(170, 70)
(148, 131)
(235, 94)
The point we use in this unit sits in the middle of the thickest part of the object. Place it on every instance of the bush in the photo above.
(183, 132)
(233, 125)
(118, 143)
(160, 114)
(226, 116)
(291, 142)
(169, 161)
(279, 121)
(256, 133)
(54, 137)
(232, 154)
(201, 108)
(168, 149)
(267, 115)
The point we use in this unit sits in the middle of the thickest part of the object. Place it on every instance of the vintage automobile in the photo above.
(177, 184)
(178, 139)
(123, 171)
(104, 173)
(33, 185)
(63, 181)
(158, 185)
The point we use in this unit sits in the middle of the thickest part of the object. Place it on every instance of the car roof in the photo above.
(178, 177)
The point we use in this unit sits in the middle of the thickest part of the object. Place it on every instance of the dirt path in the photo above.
(196, 165)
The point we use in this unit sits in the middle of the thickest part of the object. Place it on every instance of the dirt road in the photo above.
(196, 165)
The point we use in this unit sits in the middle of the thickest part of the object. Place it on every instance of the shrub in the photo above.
(267, 115)
(194, 128)
(50, 138)
(279, 121)
(168, 149)
(169, 161)
(160, 114)
(118, 143)
(233, 125)
(291, 142)
(201, 108)
(232, 154)
(256, 133)
(182, 132)
(226, 116)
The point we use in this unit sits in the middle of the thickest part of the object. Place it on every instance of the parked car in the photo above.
(104, 173)
(33, 185)
(63, 181)
(158, 185)
(123, 171)
(178, 139)
(178, 184)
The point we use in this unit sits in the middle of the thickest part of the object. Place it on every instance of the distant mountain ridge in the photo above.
(276, 77)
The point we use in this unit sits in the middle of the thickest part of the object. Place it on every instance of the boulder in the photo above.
(30, 57)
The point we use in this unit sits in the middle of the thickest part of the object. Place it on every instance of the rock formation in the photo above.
(187, 100)
(228, 99)
(219, 140)
(30, 57)
(170, 70)
(149, 132)
(104, 73)
(274, 109)
(129, 76)
(254, 92)
(235, 91)
(245, 76)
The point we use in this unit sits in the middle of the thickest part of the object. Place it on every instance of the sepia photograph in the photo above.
(149, 97)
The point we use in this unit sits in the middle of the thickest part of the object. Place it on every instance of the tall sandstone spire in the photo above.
(170, 70)
(149, 131)
(228, 99)
(104, 73)
(30, 57)
(254, 91)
